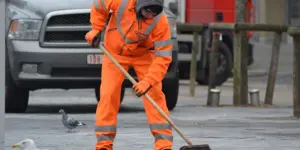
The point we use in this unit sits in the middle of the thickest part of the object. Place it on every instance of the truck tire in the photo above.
(171, 90)
(225, 65)
(250, 54)
(97, 93)
(16, 98)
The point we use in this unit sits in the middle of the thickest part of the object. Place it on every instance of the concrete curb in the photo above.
(257, 72)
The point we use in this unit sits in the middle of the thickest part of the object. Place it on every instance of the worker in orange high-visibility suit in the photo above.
(138, 36)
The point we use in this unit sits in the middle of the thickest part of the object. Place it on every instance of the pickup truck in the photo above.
(46, 48)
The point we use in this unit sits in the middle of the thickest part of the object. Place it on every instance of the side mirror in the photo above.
(173, 6)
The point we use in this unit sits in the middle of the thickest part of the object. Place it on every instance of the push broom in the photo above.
(190, 146)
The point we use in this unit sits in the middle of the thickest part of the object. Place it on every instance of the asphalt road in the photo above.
(225, 128)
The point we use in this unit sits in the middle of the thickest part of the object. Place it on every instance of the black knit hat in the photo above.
(154, 9)
(155, 6)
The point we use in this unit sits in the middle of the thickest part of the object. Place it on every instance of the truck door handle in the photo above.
(219, 16)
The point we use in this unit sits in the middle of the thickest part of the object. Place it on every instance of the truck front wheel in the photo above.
(171, 90)
(225, 65)
(16, 99)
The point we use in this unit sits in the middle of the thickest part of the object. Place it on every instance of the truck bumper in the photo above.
(35, 67)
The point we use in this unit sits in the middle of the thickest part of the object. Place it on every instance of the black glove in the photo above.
(141, 88)
(141, 94)
(96, 40)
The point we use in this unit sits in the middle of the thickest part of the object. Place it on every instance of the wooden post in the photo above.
(240, 93)
(248, 27)
(193, 66)
(213, 66)
(296, 76)
(196, 29)
(295, 32)
(273, 68)
(236, 69)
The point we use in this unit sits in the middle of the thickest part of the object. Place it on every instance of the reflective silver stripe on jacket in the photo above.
(98, 6)
(105, 128)
(163, 126)
(163, 43)
(163, 53)
(120, 13)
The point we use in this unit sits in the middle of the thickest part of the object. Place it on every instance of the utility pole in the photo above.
(2, 69)
(240, 93)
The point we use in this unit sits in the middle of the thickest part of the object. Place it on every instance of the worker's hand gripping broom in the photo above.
(131, 79)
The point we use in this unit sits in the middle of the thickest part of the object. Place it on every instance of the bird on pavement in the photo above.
(69, 122)
(27, 144)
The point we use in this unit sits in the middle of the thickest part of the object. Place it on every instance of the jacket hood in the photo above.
(144, 3)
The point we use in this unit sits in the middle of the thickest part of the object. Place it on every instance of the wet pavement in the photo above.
(224, 128)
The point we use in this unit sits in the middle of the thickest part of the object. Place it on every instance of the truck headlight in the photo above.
(173, 28)
(24, 29)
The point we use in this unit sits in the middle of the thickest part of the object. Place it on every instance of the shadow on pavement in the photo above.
(75, 109)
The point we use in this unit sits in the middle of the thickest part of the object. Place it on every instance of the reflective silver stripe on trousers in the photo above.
(105, 138)
(163, 53)
(163, 137)
(98, 6)
(163, 43)
(161, 126)
(105, 128)
(120, 13)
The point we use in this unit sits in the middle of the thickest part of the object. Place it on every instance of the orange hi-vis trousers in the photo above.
(108, 106)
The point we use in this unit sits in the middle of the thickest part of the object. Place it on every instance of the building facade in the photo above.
(276, 12)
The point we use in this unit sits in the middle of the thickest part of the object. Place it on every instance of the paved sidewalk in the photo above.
(282, 94)
(236, 128)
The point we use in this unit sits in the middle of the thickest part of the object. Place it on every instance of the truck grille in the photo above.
(64, 36)
(71, 19)
(66, 28)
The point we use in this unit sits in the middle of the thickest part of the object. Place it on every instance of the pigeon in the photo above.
(27, 144)
(69, 122)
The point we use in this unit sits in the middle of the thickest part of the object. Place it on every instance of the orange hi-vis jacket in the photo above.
(127, 35)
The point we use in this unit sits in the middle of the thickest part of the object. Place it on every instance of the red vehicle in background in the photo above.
(205, 12)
